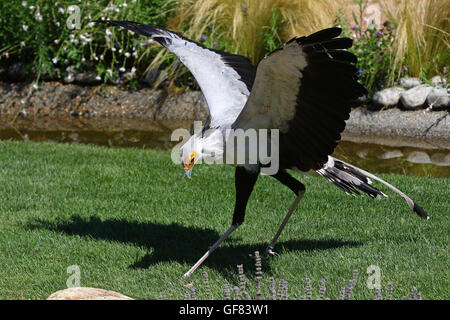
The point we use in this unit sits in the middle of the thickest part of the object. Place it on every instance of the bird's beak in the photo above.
(189, 165)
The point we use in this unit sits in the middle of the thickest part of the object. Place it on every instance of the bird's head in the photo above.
(189, 156)
(204, 147)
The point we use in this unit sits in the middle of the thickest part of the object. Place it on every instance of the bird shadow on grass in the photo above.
(177, 243)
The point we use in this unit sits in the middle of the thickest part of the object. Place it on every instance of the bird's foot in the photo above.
(269, 251)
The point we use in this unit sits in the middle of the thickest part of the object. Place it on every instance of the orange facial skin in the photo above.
(190, 162)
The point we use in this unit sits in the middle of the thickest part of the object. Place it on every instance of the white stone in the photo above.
(387, 97)
(415, 98)
(438, 97)
(85, 293)
(409, 83)
(438, 81)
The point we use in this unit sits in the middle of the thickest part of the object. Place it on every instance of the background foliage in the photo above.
(35, 37)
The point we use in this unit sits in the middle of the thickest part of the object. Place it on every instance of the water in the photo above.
(385, 156)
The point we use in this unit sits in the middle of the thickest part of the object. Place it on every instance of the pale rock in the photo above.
(418, 157)
(387, 97)
(391, 154)
(438, 97)
(441, 159)
(415, 98)
(85, 293)
(409, 83)
(438, 81)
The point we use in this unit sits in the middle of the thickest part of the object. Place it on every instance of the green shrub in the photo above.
(372, 46)
(37, 34)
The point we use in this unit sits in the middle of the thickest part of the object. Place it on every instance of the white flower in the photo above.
(35, 86)
(38, 16)
(22, 44)
(124, 4)
(31, 7)
(61, 10)
(57, 23)
(109, 72)
(133, 70)
(98, 78)
(108, 32)
(117, 10)
(91, 24)
(127, 54)
(56, 41)
(122, 69)
(55, 60)
(24, 3)
(113, 49)
(25, 27)
(83, 59)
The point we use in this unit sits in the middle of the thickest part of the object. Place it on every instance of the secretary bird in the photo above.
(304, 89)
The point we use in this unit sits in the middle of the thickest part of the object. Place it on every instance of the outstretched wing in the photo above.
(225, 79)
(305, 89)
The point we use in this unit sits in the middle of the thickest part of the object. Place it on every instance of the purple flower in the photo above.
(217, 44)
(210, 26)
(116, 46)
(445, 69)
(360, 71)
(405, 68)
(244, 10)
(203, 37)
(354, 27)
(378, 33)
(391, 27)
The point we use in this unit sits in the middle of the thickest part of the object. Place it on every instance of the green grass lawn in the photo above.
(133, 223)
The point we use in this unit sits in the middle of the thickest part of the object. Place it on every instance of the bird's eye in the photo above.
(192, 160)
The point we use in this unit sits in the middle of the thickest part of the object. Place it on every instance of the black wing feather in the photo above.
(328, 89)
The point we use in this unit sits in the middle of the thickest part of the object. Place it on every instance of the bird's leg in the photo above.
(299, 189)
(210, 250)
(269, 249)
(244, 183)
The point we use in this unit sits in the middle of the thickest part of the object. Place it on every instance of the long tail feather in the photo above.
(349, 178)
